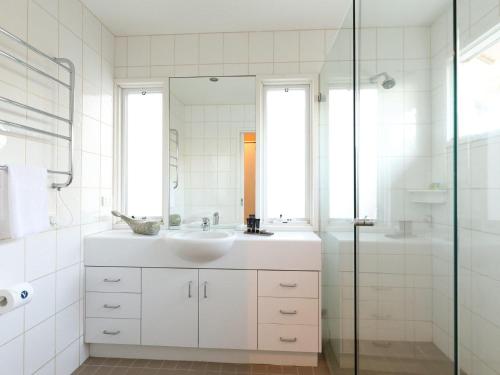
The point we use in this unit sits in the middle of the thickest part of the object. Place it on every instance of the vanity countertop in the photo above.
(284, 250)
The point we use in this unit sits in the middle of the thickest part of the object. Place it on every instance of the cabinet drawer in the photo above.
(288, 338)
(113, 279)
(288, 310)
(113, 305)
(288, 284)
(113, 331)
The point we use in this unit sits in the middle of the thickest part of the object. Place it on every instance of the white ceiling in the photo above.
(200, 90)
(149, 17)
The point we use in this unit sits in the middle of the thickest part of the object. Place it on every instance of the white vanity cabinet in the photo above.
(228, 309)
(170, 307)
(258, 303)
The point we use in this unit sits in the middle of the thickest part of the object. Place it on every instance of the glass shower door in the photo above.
(404, 187)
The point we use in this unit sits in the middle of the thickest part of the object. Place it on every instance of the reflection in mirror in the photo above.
(212, 150)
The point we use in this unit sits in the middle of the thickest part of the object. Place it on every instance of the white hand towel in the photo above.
(27, 200)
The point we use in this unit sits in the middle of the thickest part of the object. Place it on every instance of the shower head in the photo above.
(388, 82)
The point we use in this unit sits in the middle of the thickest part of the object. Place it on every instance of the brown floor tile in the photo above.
(155, 364)
(305, 370)
(140, 363)
(169, 364)
(126, 362)
(119, 371)
(111, 361)
(104, 370)
(95, 361)
(213, 366)
(183, 365)
(273, 369)
(87, 370)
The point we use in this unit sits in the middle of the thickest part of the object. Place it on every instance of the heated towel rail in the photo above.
(174, 159)
(65, 64)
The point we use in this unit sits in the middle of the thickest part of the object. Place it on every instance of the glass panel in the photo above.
(404, 115)
(144, 123)
(337, 199)
(286, 124)
(479, 186)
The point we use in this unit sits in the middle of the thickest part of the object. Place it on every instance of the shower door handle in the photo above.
(364, 222)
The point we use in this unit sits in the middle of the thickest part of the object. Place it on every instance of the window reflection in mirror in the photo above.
(211, 150)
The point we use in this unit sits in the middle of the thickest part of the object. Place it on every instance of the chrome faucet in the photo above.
(215, 219)
(205, 224)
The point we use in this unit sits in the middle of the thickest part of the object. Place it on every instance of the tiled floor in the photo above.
(117, 366)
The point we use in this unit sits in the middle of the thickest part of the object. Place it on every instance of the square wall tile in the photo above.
(68, 360)
(68, 247)
(11, 356)
(39, 345)
(11, 325)
(107, 45)
(43, 304)
(91, 30)
(138, 51)
(261, 47)
(162, 50)
(235, 48)
(389, 43)
(286, 46)
(186, 49)
(211, 48)
(417, 43)
(312, 45)
(121, 51)
(40, 254)
(67, 286)
(71, 15)
(67, 326)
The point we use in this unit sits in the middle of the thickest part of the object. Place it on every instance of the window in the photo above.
(286, 176)
(142, 126)
(479, 89)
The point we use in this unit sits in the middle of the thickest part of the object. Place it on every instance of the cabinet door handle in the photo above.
(113, 333)
(189, 289)
(106, 306)
(205, 289)
(288, 285)
(288, 339)
(288, 312)
(106, 280)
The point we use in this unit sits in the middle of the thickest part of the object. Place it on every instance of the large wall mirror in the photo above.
(212, 150)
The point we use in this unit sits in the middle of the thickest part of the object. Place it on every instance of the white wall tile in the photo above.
(68, 247)
(91, 30)
(11, 357)
(389, 43)
(286, 46)
(67, 286)
(416, 43)
(70, 46)
(261, 47)
(312, 45)
(39, 346)
(67, 327)
(121, 51)
(107, 45)
(11, 325)
(40, 254)
(162, 50)
(43, 304)
(91, 66)
(138, 50)
(68, 360)
(71, 15)
(211, 48)
(235, 48)
(186, 49)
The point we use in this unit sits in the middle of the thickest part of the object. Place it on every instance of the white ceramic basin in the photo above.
(200, 246)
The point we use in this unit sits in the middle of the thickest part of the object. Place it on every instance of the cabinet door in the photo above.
(228, 309)
(170, 307)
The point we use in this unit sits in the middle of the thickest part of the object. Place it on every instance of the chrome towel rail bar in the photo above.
(65, 64)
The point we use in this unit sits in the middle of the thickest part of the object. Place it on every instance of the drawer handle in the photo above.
(288, 339)
(112, 280)
(106, 306)
(288, 285)
(205, 295)
(288, 312)
(189, 289)
(113, 333)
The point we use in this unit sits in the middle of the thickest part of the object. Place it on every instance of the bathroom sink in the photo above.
(200, 246)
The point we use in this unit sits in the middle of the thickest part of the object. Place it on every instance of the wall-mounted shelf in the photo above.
(429, 196)
(65, 64)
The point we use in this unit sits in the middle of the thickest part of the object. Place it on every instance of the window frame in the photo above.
(123, 86)
(312, 150)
